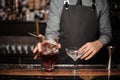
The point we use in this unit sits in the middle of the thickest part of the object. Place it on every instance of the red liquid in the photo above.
(49, 60)
(48, 56)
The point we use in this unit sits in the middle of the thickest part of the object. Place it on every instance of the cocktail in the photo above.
(49, 55)
(72, 52)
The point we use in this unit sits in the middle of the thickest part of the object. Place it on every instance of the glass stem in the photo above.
(75, 66)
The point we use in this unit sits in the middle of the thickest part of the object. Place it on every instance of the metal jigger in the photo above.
(110, 50)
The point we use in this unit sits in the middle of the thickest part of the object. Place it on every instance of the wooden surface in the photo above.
(27, 72)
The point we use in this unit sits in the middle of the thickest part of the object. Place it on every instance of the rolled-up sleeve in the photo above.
(105, 24)
(53, 21)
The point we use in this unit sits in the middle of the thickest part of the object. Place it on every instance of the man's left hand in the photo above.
(90, 49)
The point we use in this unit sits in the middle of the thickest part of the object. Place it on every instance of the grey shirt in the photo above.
(55, 10)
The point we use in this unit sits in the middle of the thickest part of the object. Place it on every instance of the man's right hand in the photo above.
(38, 49)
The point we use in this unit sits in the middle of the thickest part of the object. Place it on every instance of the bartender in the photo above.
(80, 23)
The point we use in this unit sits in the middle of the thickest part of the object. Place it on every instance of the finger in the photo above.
(90, 56)
(87, 49)
(87, 53)
(39, 47)
(82, 49)
(58, 46)
(84, 52)
(36, 56)
(41, 36)
(35, 50)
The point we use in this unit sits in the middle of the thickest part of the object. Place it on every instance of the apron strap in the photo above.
(79, 2)
(93, 5)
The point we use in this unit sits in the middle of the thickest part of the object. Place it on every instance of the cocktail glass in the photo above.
(49, 56)
(72, 52)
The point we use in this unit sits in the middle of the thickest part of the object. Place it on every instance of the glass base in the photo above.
(49, 68)
(74, 71)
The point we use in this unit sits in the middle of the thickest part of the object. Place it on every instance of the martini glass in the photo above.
(72, 52)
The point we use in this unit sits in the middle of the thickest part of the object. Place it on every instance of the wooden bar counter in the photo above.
(60, 70)
(23, 72)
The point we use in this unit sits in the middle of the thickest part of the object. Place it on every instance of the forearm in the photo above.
(105, 24)
(52, 29)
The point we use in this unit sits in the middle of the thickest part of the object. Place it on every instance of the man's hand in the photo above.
(38, 49)
(90, 49)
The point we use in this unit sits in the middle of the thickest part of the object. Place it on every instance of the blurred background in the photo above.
(18, 17)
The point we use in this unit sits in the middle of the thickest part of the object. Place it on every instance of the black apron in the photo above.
(78, 26)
